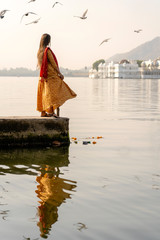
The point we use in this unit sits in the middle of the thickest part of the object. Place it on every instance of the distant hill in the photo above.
(19, 72)
(25, 72)
(75, 73)
(148, 50)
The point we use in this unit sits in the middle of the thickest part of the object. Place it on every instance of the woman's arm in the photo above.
(54, 65)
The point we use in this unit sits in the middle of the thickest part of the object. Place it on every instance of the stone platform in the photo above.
(33, 131)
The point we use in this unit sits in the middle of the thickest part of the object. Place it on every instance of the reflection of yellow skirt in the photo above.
(53, 92)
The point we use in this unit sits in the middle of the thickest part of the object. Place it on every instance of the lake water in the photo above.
(106, 189)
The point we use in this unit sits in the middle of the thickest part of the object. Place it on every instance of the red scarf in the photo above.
(44, 66)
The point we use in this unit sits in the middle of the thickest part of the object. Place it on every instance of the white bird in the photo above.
(36, 21)
(31, 1)
(26, 14)
(138, 31)
(2, 13)
(106, 40)
(83, 16)
(56, 3)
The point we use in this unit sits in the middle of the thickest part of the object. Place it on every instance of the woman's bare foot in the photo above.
(43, 114)
(54, 115)
(51, 113)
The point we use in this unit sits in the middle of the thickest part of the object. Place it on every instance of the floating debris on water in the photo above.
(85, 142)
(73, 138)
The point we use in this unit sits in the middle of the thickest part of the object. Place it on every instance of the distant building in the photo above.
(150, 69)
(124, 69)
(102, 70)
(93, 73)
(127, 70)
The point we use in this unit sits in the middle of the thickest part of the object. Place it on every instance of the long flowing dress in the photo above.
(53, 91)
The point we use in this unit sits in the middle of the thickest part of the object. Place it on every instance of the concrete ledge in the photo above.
(33, 131)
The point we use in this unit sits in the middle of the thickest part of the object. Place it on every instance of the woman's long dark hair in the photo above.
(44, 42)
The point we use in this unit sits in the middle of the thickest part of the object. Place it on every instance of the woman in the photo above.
(52, 90)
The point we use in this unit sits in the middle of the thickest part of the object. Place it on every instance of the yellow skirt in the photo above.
(53, 92)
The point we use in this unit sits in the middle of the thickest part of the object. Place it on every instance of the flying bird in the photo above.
(36, 21)
(2, 13)
(83, 16)
(106, 40)
(31, 1)
(138, 31)
(26, 14)
(56, 3)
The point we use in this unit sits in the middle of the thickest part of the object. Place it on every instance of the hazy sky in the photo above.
(74, 41)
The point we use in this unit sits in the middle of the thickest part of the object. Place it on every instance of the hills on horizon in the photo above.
(25, 72)
(145, 51)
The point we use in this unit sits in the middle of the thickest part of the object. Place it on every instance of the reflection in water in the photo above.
(30, 238)
(4, 214)
(123, 95)
(119, 178)
(81, 226)
(52, 191)
(29, 162)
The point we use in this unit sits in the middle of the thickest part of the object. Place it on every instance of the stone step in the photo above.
(33, 131)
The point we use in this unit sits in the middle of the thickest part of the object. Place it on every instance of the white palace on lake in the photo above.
(127, 69)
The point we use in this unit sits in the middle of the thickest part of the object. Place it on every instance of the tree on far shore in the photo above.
(95, 64)
(139, 63)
